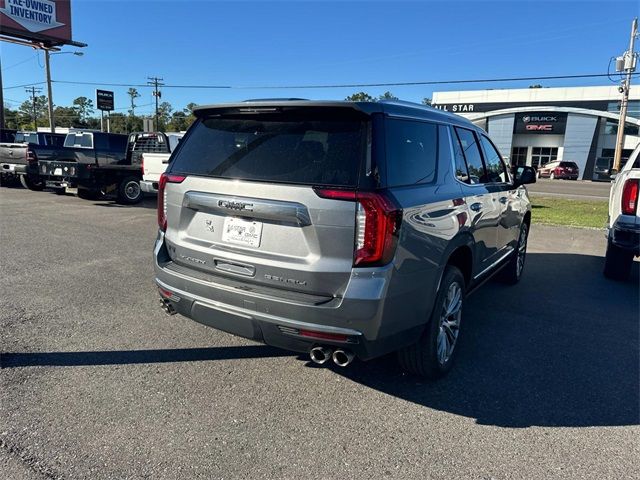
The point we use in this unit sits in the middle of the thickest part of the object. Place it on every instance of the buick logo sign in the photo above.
(539, 118)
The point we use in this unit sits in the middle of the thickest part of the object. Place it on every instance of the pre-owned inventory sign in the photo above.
(104, 100)
(47, 21)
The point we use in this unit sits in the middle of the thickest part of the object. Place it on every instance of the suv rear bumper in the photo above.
(277, 321)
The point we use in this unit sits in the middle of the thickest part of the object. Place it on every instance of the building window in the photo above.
(542, 155)
(519, 156)
(633, 108)
(611, 128)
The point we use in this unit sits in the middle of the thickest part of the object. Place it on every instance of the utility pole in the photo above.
(156, 82)
(626, 64)
(34, 91)
(1, 99)
(52, 123)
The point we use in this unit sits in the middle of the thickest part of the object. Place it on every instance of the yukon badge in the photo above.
(234, 205)
(292, 281)
(192, 259)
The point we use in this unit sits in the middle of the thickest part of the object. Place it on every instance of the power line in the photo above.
(32, 84)
(341, 85)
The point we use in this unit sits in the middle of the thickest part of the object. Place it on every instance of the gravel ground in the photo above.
(97, 382)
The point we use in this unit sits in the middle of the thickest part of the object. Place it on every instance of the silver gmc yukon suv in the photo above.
(341, 229)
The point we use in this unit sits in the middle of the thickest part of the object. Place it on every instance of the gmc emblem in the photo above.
(540, 128)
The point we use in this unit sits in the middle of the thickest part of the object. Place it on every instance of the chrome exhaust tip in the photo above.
(320, 355)
(167, 307)
(342, 358)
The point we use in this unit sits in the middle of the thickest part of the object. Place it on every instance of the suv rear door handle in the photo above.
(476, 207)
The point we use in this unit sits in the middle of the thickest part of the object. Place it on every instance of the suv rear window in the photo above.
(300, 148)
(569, 164)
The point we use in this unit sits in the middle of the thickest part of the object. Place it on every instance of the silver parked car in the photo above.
(342, 229)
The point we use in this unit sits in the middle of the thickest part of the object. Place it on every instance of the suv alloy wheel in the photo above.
(433, 354)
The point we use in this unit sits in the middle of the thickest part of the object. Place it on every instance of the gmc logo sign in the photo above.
(540, 128)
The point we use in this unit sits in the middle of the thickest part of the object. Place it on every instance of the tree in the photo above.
(67, 117)
(189, 111)
(360, 97)
(133, 93)
(12, 118)
(537, 85)
(426, 101)
(179, 121)
(164, 115)
(26, 112)
(84, 106)
(118, 123)
(388, 96)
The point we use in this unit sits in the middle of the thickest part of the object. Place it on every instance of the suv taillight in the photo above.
(377, 225)
(630, 196)
(162, 197)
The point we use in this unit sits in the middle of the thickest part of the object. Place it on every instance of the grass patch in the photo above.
(571, 213)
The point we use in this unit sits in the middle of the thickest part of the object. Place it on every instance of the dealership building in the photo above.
(533, 126)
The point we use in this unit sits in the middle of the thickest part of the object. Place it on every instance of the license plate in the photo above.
(57, 171)
(242, 232)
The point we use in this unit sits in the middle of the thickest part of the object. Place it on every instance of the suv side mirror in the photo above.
(524, 175)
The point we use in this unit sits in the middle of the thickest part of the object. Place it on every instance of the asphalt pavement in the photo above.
(575, 189)
(97, 382)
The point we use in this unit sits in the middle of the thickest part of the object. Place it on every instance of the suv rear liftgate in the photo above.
(270, 229)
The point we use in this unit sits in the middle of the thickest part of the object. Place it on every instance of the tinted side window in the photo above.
(462, 173)
(411, 152)
(471, 151)
(496, 171)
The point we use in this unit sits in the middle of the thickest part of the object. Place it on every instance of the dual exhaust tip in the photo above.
(322, 355)
(167, 307)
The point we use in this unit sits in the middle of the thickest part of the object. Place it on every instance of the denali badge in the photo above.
(232, 205)
(191, 259)
(292, 281)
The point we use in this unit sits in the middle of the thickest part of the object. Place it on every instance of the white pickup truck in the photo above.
(154, 165)
(623, 235)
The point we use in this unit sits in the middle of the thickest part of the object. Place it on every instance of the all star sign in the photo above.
(47, 21)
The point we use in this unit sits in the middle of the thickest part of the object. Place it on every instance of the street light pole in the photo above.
(52, 123)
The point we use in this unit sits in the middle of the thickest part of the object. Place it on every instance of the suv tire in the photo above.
(617, 262)
(433, 354)
(511, 273)
(129, 191)
(28, 182)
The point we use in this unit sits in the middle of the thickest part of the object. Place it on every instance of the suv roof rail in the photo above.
(405, 103)
(289, 99)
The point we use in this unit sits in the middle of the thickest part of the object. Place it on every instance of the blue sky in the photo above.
(252, 44)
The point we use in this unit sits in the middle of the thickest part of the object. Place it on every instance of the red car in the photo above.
(566, 170)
